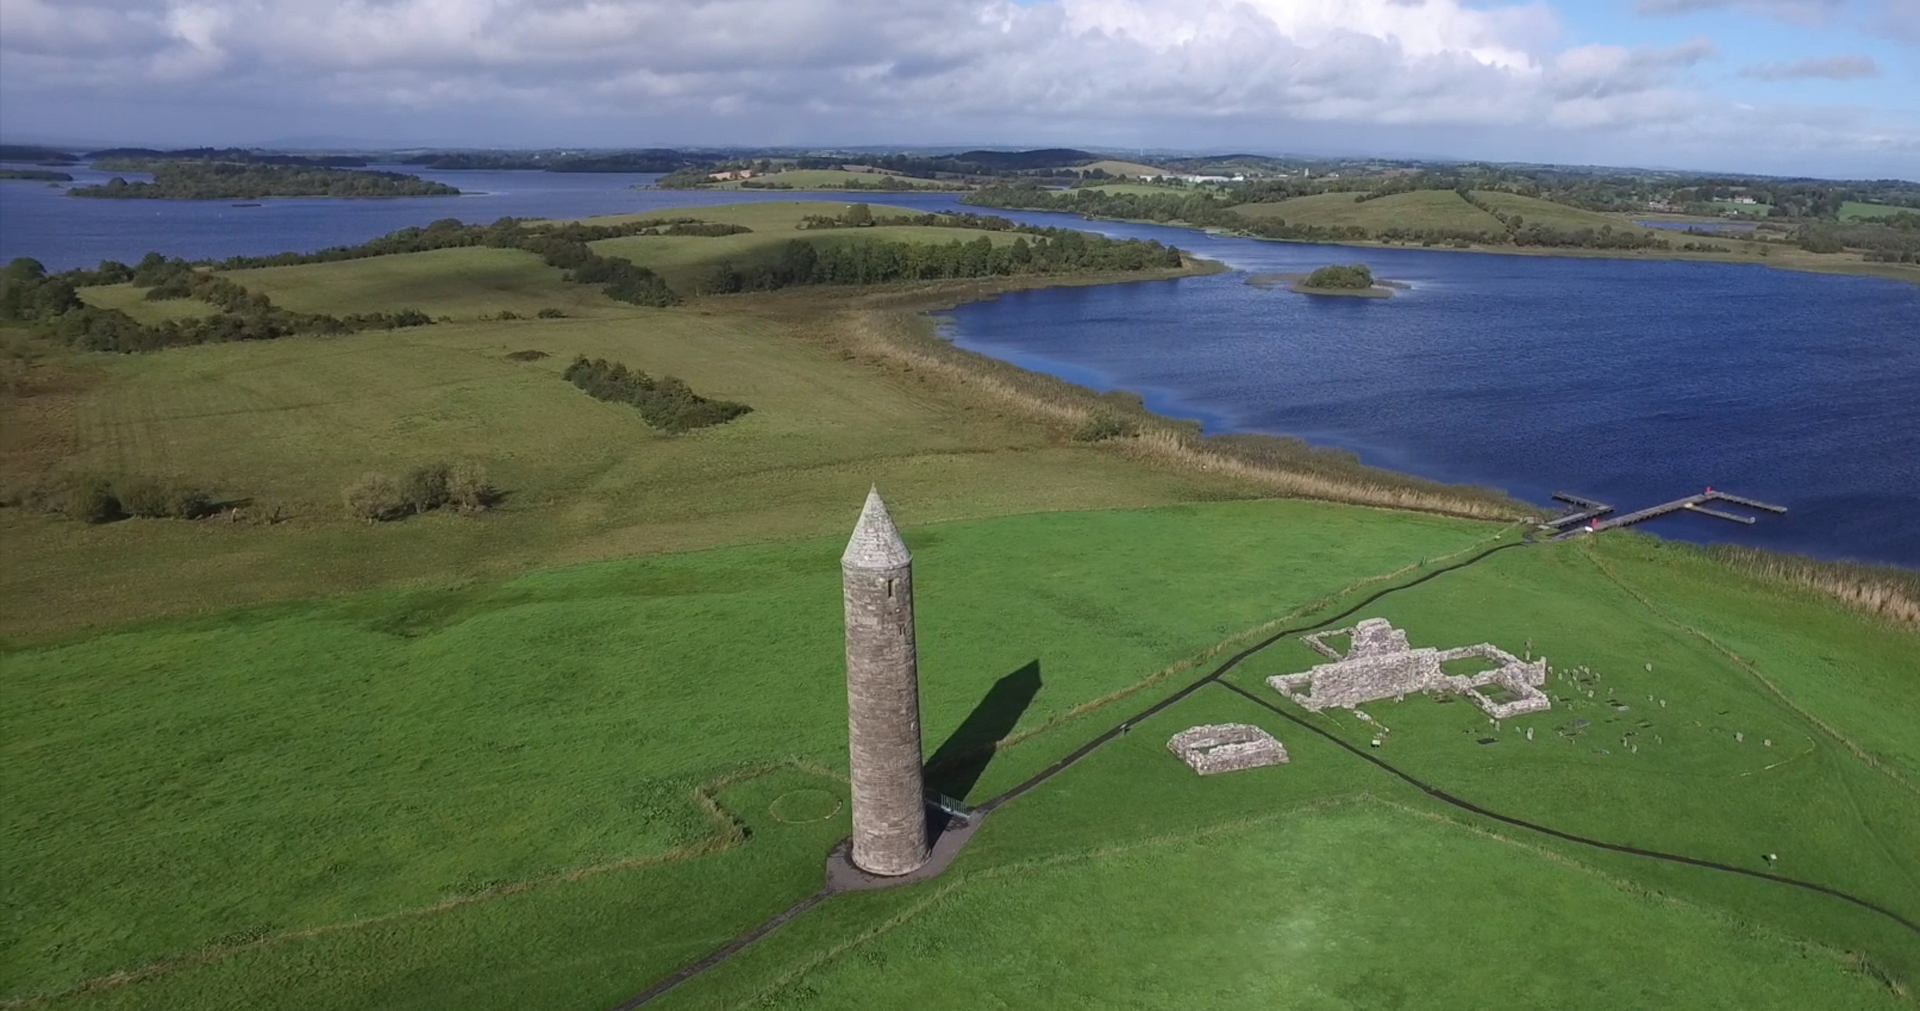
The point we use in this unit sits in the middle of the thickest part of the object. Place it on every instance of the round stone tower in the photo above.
(883, 697)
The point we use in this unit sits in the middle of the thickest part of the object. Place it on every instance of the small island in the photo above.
(200, 180)
(36, 175)
(1353, 280)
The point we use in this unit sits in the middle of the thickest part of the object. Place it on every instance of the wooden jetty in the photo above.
(1585, 509)
(1588, 520)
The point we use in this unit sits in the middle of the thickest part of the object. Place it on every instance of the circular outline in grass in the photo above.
(812, 799)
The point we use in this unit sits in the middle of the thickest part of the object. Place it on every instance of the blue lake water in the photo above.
(41, 221)
(1629, 381)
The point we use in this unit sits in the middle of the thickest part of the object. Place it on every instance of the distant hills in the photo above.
(243, 156)
(1027, 161)
(36, 155)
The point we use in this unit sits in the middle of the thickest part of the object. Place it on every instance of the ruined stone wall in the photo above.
(1226, 747)
(1379, 665)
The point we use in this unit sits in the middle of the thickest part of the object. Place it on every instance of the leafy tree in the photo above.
(212, 180)
(1351, 277)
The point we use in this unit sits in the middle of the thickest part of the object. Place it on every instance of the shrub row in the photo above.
(95, 498)
(380, 498)
(1102, 425)
(665, 403)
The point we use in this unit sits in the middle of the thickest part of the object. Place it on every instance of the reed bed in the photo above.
(1883, 591)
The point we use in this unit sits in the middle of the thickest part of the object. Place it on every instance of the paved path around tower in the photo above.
(950, 842)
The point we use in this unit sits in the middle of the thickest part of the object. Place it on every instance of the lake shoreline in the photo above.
(1907, 273)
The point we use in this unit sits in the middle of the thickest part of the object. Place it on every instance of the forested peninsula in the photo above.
(186, 180)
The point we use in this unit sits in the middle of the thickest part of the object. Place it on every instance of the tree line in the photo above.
(1215, 209)
(879, 261)
(140, 159)
(199, 180)
(1893, 238)
(51, 302)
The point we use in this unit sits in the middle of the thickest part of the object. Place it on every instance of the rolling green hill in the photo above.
(1420, 209)
(1557, 216)
(1439, 210)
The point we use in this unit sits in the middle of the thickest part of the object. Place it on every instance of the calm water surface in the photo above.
(41, 221)
(1633, 382)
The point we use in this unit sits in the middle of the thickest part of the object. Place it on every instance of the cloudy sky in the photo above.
(1828, 87)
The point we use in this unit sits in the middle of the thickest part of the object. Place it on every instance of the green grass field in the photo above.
(1854, 210)
(1131, 169)
(1560, 217)
(133, 301)
(288, 424)
(1430, 209)
(463, 283)
(1441, 209)
(284, 426)
(456, 779)
(545, 755)
(1418, 914)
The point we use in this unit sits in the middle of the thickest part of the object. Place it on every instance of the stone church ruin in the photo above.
(1227, 747)
(1379, 664)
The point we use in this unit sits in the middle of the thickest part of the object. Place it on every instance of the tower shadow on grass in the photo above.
(960, 761)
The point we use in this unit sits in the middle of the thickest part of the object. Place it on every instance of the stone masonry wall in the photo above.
(1379, 665)
(1227, 747)
(883, 699)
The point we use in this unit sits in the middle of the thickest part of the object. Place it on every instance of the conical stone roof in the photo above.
(875, 543)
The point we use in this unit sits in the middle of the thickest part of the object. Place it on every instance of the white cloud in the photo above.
(1800, 12)
(1899, 20)
(1830, 68)
(1240, 73)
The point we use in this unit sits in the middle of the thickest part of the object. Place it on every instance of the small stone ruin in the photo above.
(1379, 664)
(1227, 747)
